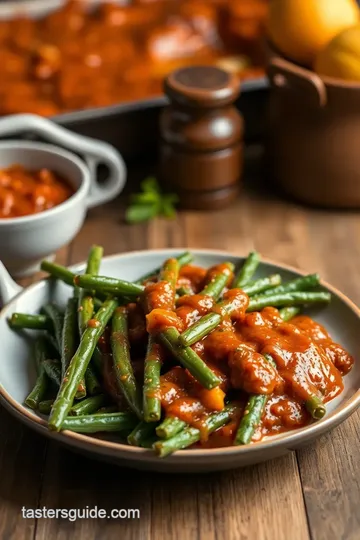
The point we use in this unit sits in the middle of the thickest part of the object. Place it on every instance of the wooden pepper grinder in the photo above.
(201, 133)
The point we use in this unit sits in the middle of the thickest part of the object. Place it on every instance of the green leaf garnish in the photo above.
(150, 203)
(137, 214)
(151, 185)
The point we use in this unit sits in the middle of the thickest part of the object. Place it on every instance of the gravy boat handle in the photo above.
(8, 287)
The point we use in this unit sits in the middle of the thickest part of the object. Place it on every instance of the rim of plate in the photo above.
(96, 445)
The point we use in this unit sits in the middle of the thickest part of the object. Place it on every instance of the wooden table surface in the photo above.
(311, 494)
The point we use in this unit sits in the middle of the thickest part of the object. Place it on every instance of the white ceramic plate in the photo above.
(17, 374)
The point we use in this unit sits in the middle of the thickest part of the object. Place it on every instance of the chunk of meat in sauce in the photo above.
(220, 344)
(194, 274)
(159, 320)
(302, 364)
(251, 372)
(315, 331)
(281, 413)
(192, 307)
(159, 295)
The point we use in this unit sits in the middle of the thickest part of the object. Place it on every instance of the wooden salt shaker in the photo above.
(201, 154)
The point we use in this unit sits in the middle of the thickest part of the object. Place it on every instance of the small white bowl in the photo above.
(24, 241)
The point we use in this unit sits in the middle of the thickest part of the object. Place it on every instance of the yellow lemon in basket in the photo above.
(341, 57)
(301, 28)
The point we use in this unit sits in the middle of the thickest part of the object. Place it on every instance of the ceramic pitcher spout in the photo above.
(8, 287)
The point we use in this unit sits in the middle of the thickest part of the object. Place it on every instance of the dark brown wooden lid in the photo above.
(202, 86)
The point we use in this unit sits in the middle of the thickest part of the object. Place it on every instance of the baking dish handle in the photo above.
(8, 287)
(93, 151)
(286, 75)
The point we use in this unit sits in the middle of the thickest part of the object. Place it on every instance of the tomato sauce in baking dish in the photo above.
(79, 57)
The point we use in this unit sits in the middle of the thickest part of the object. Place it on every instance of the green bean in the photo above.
(247, 271)
(170, 427)
(20, 321)
(85, 302)
(141, 433)
(151, 388)
(315, 407)
(190, 435)
(69, 342)
(121, 358)
(251, 419)
(53, 370)
(263, 285)
(97, 360)
(188, 358)
(288, 299)
(39, 352)
(207, 323)
(149, 442)
(69, 334)
(183, 259)
(85, 312)
(78, 365)
(288, 313)
(59, 272)
(45, 406)
(95, 423)
(170, 272)
(107, 285)
(53, 343)
(200, 329)
(218, 282)
(184, 291)
(92, 384)
(88, 406)
(299, 284)
(153, 360)
(57, 319)
(97, 303)
(108, 409)
(94, 260)
(38, 392)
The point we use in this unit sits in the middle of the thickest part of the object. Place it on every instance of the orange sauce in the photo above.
(306, 362)
(24, 192)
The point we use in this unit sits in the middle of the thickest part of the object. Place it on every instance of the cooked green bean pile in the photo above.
(110, 360)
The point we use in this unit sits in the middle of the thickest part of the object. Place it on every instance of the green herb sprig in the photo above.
(151, 203)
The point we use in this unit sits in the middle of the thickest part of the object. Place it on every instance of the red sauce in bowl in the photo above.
(25, 192)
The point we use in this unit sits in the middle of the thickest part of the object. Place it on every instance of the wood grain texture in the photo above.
(312, 494)
(330, 469)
